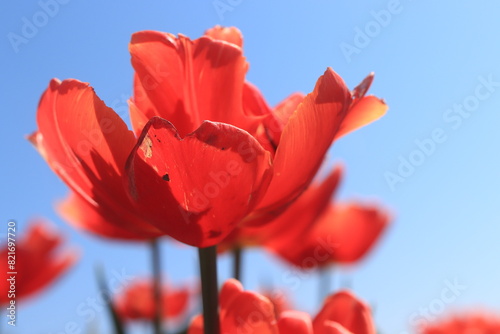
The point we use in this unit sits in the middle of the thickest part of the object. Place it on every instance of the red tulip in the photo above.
(249, 312)
(165, 90)
(471, 323)
(241, 312)
(346, 310)
(342, 313)
(137, 302)
(38, 262)
(187, 177)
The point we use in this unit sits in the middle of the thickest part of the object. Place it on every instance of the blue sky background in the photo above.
(428, 57)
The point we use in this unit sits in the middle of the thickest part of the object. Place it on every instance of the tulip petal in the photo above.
(97, 219)
(295, 322)
(41, 239)
(196, 325)
(364, 109)
(351, 229)
(188, 81)
(343, 233)
(282, 113)
(48, 272)
(306, 138)
(229, 291)
(241, 312)
(331, 327)
(254, 103)
(300, 217)
(260, 122)
(277, 231)
(176, 302)
(137, 301)
(87, 144)
(344, 308)
(229, 34)
(196, 189)
(249, 313)
(38, 261)
(139, 118)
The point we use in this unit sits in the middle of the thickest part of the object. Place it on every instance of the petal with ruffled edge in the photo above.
(187, 81)
(363, 110)
(229, 34)
(197, 189)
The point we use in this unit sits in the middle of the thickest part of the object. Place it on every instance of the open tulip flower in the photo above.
(249, 312)
(209, 153)
(471, 323)
(38, 261)
(136, 301)
(322, 232)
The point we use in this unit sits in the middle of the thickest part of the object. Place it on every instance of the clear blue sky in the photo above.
(436, 64)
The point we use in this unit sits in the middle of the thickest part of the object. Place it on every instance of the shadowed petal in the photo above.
(97, 219)
(284, 228)
(87, 144)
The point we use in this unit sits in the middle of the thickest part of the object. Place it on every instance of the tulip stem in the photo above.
(209, 290)
(157, 295)
(237, 259)
(103, 287)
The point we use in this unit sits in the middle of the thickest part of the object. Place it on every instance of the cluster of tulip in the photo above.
(210, 164)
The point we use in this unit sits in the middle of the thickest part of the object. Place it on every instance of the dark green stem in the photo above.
(209, 292)
(237, 258)
(103, 287)
(157, 291)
